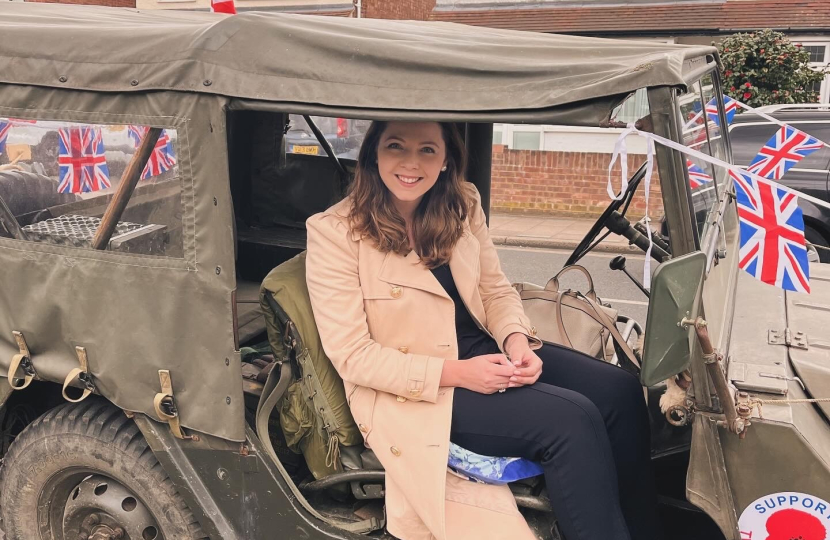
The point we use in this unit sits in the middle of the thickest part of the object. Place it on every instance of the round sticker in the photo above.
(785, 516)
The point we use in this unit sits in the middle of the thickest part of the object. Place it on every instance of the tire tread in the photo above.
(98, 419)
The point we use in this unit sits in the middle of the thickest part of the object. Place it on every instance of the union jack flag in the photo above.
(82, 163)
(772, 248)
(730, 107)
(5, 127)
(696, 175)
(162, 159)
(784, 149)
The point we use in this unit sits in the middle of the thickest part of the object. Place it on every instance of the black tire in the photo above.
(49, 466)
(817, 239)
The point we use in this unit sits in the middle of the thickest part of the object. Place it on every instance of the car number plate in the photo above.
(312, 150)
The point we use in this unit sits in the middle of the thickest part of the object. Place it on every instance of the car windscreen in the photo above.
(701, 132)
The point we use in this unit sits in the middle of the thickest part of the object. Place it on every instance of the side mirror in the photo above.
(675, 295)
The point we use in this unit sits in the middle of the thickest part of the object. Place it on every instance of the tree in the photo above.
(765, 67)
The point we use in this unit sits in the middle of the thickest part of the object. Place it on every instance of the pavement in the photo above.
(550, 232)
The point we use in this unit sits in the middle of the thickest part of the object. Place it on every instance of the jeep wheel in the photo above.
(84, 472)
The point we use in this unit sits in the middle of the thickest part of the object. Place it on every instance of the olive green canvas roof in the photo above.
(362, 64)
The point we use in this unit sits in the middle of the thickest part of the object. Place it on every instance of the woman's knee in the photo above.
(572, 415)
(623, 389)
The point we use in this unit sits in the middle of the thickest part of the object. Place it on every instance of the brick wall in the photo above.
(398, 9)
(562, 183)
(110, 3)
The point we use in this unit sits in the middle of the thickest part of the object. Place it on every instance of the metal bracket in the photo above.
(788, 338)
(82, 374)
(23, 361)
(165, 406)
(686, 322)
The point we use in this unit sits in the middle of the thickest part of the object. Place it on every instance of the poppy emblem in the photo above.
(786, 516)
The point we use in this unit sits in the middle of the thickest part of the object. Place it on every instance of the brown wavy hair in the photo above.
(438, 221)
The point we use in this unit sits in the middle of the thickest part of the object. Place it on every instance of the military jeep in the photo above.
(143, 397)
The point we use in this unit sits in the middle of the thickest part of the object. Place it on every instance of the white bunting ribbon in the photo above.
(620, 152)
(734, 168)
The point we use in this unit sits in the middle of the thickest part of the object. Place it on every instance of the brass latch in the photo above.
(165, 405)
(23, 361)
(83, 376)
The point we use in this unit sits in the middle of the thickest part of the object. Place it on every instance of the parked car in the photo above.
(343, 134)
(749, 132)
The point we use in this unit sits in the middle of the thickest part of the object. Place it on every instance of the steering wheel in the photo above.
(587, 243)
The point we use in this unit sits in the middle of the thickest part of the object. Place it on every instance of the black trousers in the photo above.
(586, 422)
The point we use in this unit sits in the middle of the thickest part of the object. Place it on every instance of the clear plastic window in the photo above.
(345, 135)
(57, 179)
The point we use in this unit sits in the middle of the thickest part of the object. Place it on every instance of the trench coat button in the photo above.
(362, 428)
(404, 349)
(401, 399)
(533, 331)
(395, 451)
(414, 392)
(396, 292)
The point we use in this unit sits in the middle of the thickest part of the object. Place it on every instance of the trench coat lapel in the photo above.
(409, 272)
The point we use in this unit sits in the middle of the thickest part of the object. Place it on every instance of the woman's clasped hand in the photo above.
(489, 373)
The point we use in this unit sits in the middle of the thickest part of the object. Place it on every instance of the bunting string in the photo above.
(769, 118)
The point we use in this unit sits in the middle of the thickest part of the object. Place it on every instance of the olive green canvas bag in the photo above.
(314, 414)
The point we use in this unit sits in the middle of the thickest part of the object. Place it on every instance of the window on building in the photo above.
(817, 52)
(819, 60)
(497, 136)
(527, 140)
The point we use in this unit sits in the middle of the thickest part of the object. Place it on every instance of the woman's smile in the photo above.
(409, 180)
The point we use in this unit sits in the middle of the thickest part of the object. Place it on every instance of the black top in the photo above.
(472, 341)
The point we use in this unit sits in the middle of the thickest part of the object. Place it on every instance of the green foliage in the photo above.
(765, 68)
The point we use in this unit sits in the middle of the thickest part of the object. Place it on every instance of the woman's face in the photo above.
(410, 158)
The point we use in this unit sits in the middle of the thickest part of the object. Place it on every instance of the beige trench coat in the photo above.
(388, 325)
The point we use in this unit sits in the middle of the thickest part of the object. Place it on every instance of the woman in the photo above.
(419, 320)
